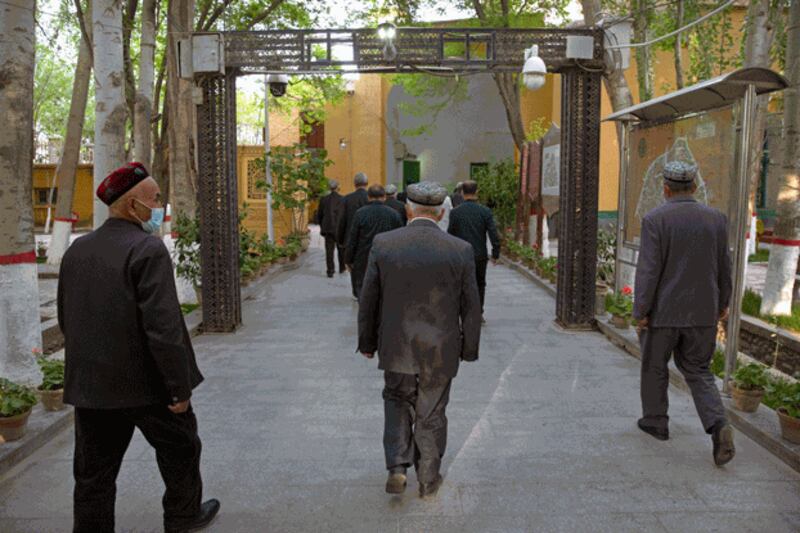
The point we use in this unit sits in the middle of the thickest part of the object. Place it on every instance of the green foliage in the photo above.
(431, 95)
(750, 377)
(498, 189)
(52, 373)
(787, 397)
(761, 256)
(187, 248)
(620, 303)
(537, 129)
(606, 256)
(751, 305)
(15, 399)
(718, 363)
(188, 308)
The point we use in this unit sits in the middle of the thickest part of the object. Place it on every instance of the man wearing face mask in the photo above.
(129, 359)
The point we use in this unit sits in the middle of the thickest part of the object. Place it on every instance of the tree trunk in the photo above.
(509, 93)
(678, 47)
(144, 96)
(110, 108)
(181, 117)
(19, 289)
(67, 167)
(128, 21)
(783, 257)
(644, 65)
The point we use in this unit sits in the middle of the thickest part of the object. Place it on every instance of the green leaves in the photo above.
(14, 398)
(52, 373)
(498, 189)
(751, 377)
(187, 248)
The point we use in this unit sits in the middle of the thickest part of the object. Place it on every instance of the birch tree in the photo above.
(67, 167)
(785, 251)
(144, 94)
(110, 106)
(19, 289)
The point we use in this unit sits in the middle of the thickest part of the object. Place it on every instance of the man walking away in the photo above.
(457, 198)
(129, 359)
(394, 203)
(472, 222)
(683, 288)
(420, 311)
(370, 220)
(350, 204)
(330, 207)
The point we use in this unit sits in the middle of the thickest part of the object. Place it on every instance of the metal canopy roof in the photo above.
(709, 94)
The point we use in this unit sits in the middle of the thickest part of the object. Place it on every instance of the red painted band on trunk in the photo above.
(18, 259)
(167, 218)
(785, 242)
(174, 234)
(62, 219)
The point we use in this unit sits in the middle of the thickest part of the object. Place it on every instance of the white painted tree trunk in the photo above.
(783, 257)
(67, 167)
(20, 329)
(144, 95)
(110, 109)
(545, 239)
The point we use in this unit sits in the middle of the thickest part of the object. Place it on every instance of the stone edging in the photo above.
(762, 426)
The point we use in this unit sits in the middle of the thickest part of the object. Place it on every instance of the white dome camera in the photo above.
(534, 70)
(277, 84)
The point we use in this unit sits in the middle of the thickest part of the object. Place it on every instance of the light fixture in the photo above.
(534, 70)
(387, 33)
(342, 143)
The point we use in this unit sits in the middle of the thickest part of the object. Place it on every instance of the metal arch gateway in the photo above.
(418, 50)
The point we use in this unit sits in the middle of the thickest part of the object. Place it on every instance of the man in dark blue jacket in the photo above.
(472, 222)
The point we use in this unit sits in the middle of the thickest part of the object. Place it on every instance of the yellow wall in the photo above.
(82, 201)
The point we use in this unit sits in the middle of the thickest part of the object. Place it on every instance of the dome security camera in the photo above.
(277, 84)
(534, 70)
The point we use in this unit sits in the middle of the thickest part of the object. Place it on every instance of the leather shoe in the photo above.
(722, 438)
(427, 490)
(208, 511)
(397, 480)
(660, 434)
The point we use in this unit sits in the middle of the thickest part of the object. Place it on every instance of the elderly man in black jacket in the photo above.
(129, 359)
(394, 203)
(352, 203)
(330, 208)
(370, 220)
(420, 311)
(472, 222)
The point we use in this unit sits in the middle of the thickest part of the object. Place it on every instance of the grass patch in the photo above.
(188, 308)
(761, 256)
(751, 305)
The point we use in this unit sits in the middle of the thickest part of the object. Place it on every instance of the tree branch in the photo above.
(82, 22)
(479, 10)
(266, 13)
(215, 15)
(204, 13)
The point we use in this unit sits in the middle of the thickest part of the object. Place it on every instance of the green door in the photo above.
(410, 173)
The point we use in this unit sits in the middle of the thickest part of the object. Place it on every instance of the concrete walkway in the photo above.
(542, 435)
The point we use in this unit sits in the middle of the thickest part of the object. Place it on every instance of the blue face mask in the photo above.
(156, 219)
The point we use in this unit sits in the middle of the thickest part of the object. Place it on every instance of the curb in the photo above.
(762, 426)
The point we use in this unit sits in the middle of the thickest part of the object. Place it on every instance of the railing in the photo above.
(48, 152)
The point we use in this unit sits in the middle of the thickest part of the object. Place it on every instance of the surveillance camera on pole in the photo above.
(387, 33)
(277, 84)
(534, 70)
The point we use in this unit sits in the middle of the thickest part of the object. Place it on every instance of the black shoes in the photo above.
(722, 438)
(208, 511)
(330, 274)
(428, 490)
(660, 434)
(396, 482)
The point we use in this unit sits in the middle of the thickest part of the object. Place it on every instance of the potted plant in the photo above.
(187, 252)
(748, 388)
(620, 305)
(51, 390)
(41, 250)
(16, 403)
(600, 291)
(789, 413)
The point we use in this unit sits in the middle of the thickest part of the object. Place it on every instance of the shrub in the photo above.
(789, 400)
(620, 303)
(498, 187)
(15, 399)
(751, 377)
(52, 373)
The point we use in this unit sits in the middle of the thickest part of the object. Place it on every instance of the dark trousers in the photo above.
(693, 349)
(415, 430)
(357, 274)
(480, 274)
(101, 438)
(330, 247)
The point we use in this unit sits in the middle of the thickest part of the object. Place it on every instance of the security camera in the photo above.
(534, 70)
(277, 84)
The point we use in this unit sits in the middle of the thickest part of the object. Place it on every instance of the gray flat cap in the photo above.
(360, 179)
(680, 172)
(333, 185)
(391, 189)
(426, 193)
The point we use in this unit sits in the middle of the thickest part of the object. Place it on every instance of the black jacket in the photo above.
(457, 199)
(398, 206)
(370, 220)
(126, 344)
(471, 222)
(328, 214)
(419, 306)
(350, 204)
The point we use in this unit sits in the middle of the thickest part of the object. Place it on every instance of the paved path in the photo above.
(542, 435)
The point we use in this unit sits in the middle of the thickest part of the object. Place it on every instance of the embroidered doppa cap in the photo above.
(680, 172)
(426, 193)
(391, 189)
(121, 181)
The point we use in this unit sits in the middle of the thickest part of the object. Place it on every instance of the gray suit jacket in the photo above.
(683, 277)
(419, 305)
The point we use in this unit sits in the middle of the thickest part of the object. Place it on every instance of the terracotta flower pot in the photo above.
(13, 427)
(619, 322)
(790, 426)
(600, 299)
(52, 400)
(746, 400)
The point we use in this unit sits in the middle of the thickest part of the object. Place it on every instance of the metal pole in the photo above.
(739, 255)
(623, 178)
(267, 169)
